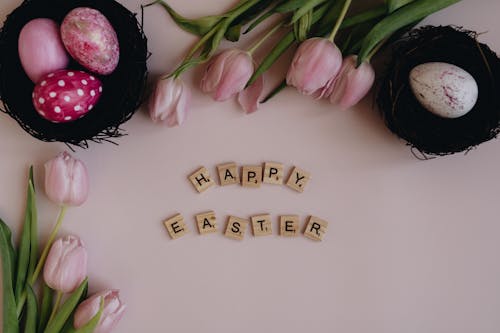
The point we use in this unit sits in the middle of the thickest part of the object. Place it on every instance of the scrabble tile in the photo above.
(207, 223)
(315, 228)
(298, 179)
(236, 227)
(273, 173)
(201, 180)
(175, 226)
(262, 225)
(251, 176)
(228, 174)
(289, 225)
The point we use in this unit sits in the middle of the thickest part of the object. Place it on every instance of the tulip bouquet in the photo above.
(29, 304)
(335, 46)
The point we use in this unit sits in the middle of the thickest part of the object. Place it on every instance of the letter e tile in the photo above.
(175, 226)
(289, 225)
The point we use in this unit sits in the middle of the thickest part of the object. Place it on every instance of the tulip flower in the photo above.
(66, 264)
(227, 74)
(169, 103)
(352, 84)
(111, 314)
(316, 62)
(66, 180)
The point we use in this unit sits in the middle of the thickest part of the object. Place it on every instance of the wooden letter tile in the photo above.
(228, 174)
(175, 226)
(298, 179)
(289, 225)
(207, 222)
(251, 176)
(315, 228)
(236, 227)
(273, 173)
(201, 180)
(262, 225)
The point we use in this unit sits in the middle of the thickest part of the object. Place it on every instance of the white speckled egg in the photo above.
(444, 89)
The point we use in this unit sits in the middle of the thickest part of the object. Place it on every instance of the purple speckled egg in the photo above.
(66, 95)
(41, 50)
(91, 40)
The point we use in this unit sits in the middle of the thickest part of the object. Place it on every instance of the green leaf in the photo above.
(33, 227)
(393, 5)
(404, 16)
(289, 6)
(233, 33)
(259, 20)
(239, 19)
(10, 249)
(302, 27)
(31, 311)
(45, 307)
(275, 91)
(67, 309)
(307, 7)
(199, 26)
(9, 315)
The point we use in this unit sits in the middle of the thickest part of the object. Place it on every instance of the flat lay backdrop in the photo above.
(412, 246)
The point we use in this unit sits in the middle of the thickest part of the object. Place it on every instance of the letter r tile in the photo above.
(315, 228)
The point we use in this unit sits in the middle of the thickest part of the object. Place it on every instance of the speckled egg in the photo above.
(444, 89)
(40, 48)
(66, 95)
(91, 40)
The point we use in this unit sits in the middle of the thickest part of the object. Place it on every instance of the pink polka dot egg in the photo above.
(66, 95)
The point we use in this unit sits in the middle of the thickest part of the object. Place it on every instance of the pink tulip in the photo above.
(111, 314)
(169, 103)
(66, 265)
(227, 74)
(316, 62)
(66, 180)
(352, 84)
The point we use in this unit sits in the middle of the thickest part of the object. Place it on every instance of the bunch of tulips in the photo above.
(57, 302)
(325, 65)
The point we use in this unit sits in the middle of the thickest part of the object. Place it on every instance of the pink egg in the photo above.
(66, 95)
(91, 40)
(41, 50)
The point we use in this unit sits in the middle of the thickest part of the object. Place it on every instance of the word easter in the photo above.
(251, 176)
(289, 226)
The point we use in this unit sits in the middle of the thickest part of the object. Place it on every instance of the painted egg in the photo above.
(444, 89)
(41, 50)
(66, 95)
(91, 40)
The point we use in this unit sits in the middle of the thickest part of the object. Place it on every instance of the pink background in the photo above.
(412, 246)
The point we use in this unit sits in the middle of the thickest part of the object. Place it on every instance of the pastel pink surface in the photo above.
(411, 247)
(91, 40)
(66, 95)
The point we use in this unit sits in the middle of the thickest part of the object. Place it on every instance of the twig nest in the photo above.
(122, 90)
(455, 106)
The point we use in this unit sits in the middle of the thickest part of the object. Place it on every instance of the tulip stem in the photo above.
(56, 306)
(255, 46)
(42, 259)
(375, 50)
(46, 249)
(340, 19)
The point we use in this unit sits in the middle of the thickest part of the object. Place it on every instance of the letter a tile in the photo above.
(176, 227)
(206, 223)
(228, 174)
(201, 180)
(236, 228)
(315, 228)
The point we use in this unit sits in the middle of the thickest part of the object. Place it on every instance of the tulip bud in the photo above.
(66, 265)
(352, 84)
(169, 103)
(66, 180)
(227, 74)
(316, 62)
(111, 314)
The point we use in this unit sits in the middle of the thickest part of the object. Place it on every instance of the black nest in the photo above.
(124, 88)
(424, 131)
